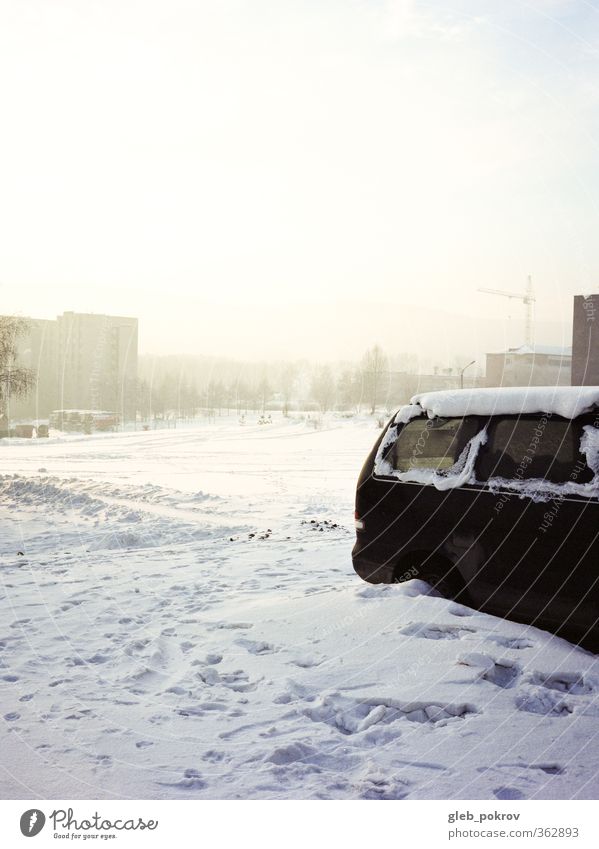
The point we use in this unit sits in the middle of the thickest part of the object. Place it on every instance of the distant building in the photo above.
(97, 360)
(540, 365)
(81, 361)
(402, 385)
(585, 341)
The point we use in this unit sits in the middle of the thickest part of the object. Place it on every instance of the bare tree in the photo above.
(349, 389)
(322, 388)
(375, 366)
(144, 399)
(406, 385)
(287, 382)
(15, 380)
(264, 391)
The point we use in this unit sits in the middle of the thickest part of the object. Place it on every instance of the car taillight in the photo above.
(359, 523)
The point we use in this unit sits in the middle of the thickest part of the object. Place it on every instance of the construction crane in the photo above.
(527, 298)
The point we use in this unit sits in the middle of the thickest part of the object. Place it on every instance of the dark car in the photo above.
(492, 496)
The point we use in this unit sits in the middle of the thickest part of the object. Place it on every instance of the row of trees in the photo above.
(286, 386)
(363, 385)
(184, 387)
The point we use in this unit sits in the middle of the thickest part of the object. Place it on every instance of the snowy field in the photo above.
(180, 619)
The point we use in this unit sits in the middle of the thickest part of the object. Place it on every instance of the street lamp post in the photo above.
(462, 373)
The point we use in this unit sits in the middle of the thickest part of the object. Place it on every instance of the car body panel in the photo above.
(534, 561)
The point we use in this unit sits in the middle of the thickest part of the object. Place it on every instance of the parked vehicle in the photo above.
(31, 429)
(83, 421)
(492, 496)
(24, 431)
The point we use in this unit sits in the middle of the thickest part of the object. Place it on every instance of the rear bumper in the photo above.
(370, 570)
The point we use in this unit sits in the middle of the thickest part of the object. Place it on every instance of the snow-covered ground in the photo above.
(180, 619)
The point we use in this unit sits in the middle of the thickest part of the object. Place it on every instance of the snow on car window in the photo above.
(580, 478)
(428, 452)
(426, 444)
(589, 446)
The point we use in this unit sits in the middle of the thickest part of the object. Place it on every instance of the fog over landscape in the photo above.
(273, 179)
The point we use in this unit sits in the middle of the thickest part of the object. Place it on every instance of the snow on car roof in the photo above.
(566, 401)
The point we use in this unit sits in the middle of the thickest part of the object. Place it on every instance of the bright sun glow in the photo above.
(296, 178)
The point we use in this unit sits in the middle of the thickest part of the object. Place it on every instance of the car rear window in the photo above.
(428, 444)
(534, 447)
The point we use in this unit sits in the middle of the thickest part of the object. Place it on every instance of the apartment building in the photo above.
(81, 361)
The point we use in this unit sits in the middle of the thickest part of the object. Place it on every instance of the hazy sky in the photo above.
(276, 177)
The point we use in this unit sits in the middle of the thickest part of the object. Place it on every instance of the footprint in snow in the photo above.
(564, 682)
(257, 646)
(294, 692)
(517, 643)
(213, 756)
(81, 714)
(375, 591)
(502, 673)
(320, 588)
(291, 753)
(436, 632)
(352, 717)
(378, 785)
(238, 680)
(201, 708)
(550, 768)
(306, 661)
(98, 658)
(192, 780)
(135, 647)
(508, 793)
(436, 714)
(545, 703)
